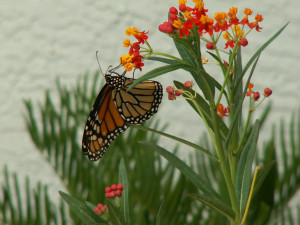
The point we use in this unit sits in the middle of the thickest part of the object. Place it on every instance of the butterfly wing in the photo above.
(104, 124)
(139, 103)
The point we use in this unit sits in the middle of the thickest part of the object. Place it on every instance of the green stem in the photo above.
(237, 151)
(250, 194)
(224, 166)
(170, 56)
(227, 74)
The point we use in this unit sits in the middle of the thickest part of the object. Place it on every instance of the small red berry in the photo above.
(107, 189)
(188, 84)
(170, 89)
(107, 195)
(182, 7)
(113, 187)
(120, 187)
(267, 92)
(112, 194)
(173, 17)
(210, 45)
(225, 63)
(98, 211)
(99, 205)
(173, 10)
(178, 92)
(256, 96)
(243, 42)
(171, 96)
(118, 193)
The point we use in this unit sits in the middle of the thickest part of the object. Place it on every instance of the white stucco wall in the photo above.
(40, 40)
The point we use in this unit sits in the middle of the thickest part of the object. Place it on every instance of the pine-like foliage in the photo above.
(157, 193)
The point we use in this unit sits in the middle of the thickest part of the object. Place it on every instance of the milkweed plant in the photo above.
(219, 103)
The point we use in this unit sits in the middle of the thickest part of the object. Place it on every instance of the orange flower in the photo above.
(245, 20)
(250, 86)
(258, 18)
(232, 16)
(221, 23)
(140, 36)
(222, 111)
(206, 23)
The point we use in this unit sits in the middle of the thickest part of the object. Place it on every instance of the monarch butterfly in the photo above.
(115, 109)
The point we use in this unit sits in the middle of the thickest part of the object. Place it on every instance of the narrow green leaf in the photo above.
(159, 71)
(115, 216)
(185, 51)
(177, 139)
(206, 84)
(243, 178)
(123, 179)
(215, 204)
(163, 60)
(197, 180)
(159, 214)
(81, 210)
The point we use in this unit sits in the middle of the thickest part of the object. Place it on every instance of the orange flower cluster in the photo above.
(222, 111)
(181, 22)
(256, 94)
(133, 59)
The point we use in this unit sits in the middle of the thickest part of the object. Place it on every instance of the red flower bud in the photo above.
(171, 96)
(243, 42)
(267, 92)
(98, 210)
(210, 45)
(173, 10)
(107, 195)
(225, 63)
(188, 84)
(182, 7)
(170, 89)
(120, 187)
(173, 17)
(113, 187)
(118, 193)
(256, 96)
(178, 92)
(166, 27)
(107, 189)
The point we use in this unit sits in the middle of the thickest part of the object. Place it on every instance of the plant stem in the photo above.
(170, 56)
(250, 194)
(224, 166)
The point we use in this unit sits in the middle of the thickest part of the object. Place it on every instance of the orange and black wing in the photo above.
(103, 125)
(139, 103)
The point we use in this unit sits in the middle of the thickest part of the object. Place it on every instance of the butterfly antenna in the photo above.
(99, 63)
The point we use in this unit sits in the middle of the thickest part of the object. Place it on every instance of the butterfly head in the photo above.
(116, 81)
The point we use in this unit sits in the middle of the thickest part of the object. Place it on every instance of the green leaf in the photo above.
(159, 71)
(163, 60)
(81, 210)
(123, 179)
(177, 139)
(114, 214)
(205, 109)
(186, 51)
(195, 178)
(243, 178)
(215, 204)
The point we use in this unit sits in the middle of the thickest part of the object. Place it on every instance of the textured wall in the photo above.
(40, 41)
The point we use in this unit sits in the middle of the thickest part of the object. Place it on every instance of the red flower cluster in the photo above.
(172, 92)
(133, 59)
(222, 111)
(256, 94)
(114, 190)
(187, 18)
(101, 209)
